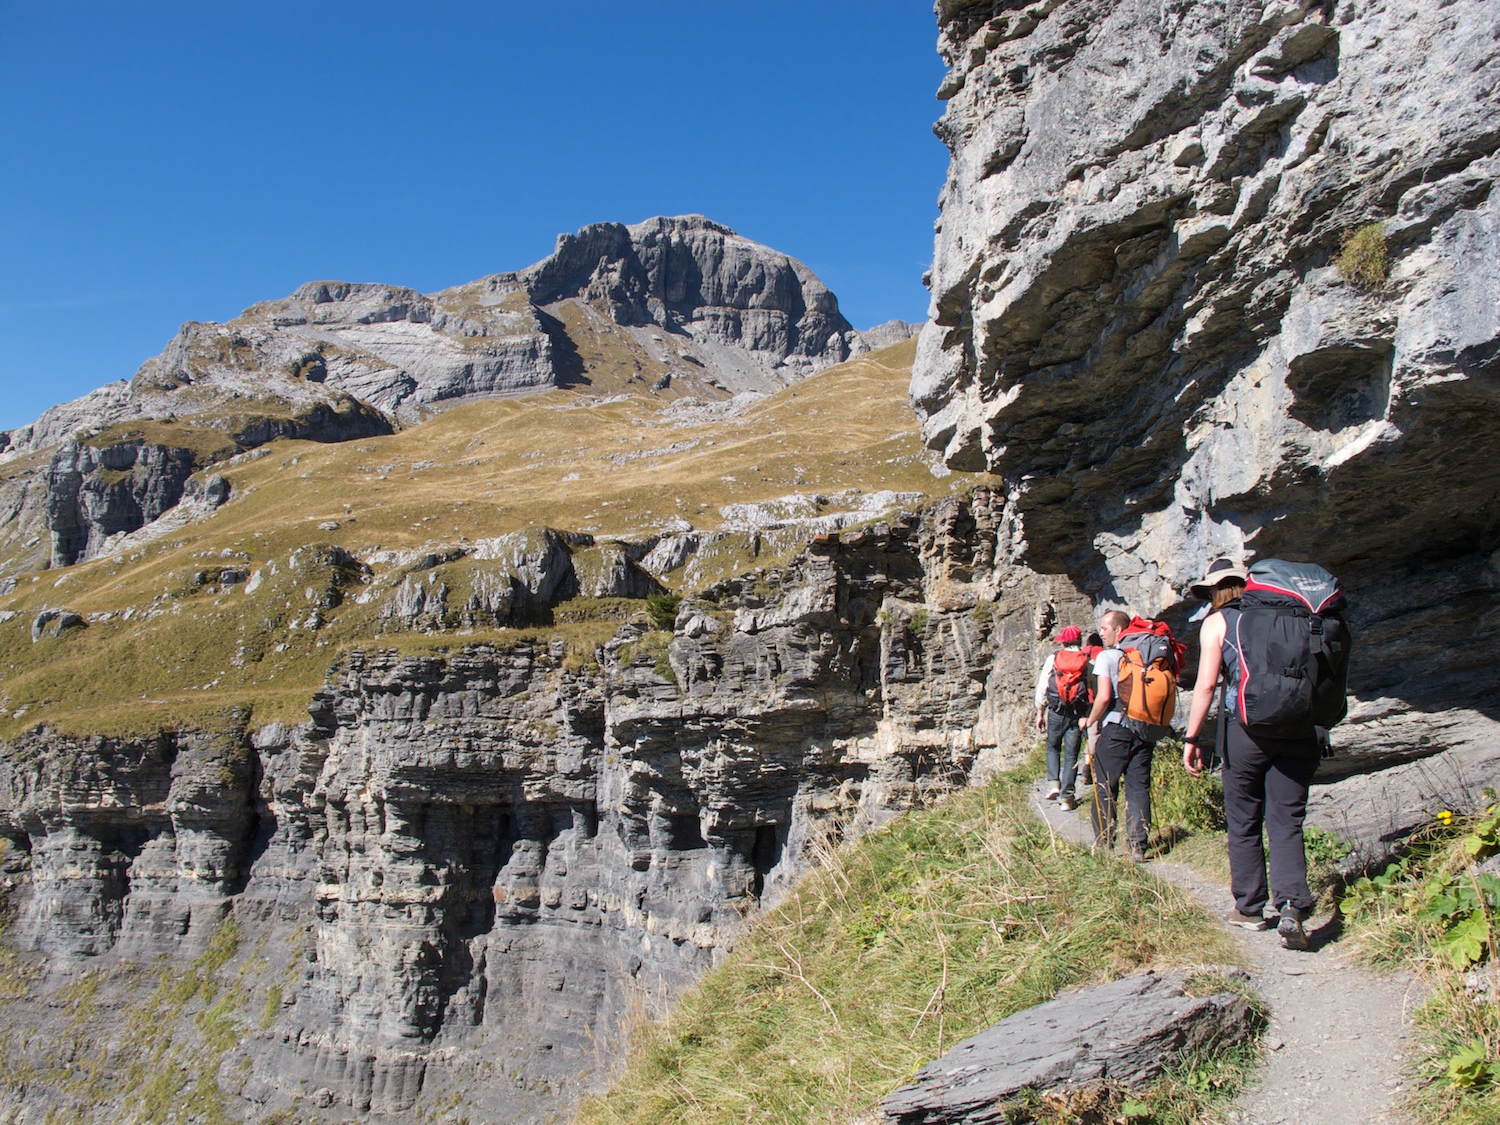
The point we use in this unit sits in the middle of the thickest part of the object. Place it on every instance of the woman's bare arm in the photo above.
(1210, 655)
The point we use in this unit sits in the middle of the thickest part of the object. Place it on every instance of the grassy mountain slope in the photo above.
(172, 638)
(902, 945)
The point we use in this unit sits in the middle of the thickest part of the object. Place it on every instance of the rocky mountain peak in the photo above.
(340, 302)
(689, 275)
(672, 307)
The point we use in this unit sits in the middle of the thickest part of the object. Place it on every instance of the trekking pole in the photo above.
(1096, 813)
(1221, 730)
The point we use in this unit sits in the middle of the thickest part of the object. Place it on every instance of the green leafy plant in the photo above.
(1379, 896)
(1324, 847)
(1462, 908)
(1483, 840)
(1180, 800)
(1434, 910)
(1362, 260)
(1471, 1066)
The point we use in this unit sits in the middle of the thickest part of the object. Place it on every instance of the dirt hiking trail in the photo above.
(1336, 1047)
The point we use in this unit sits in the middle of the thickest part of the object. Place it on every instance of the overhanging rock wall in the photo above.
(1139, 320)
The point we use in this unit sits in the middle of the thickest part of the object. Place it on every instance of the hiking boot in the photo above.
(1137, 854)
(1248, 921)
(1293, 936)
(1053, 789)
(1067, 804)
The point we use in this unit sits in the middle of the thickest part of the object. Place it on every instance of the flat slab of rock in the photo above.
(1124, 1033)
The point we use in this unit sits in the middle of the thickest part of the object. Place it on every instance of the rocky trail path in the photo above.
(1338, 1035)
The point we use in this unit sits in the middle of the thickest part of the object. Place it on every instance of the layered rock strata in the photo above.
(464, 870)
(1144, 317)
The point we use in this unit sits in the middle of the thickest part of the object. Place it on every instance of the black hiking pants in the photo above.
(1122, 756)
(1063, 737)
(1265, 785)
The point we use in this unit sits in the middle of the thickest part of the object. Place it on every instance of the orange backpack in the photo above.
(1148, 678)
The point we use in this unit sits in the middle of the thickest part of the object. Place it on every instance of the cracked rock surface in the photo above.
(464, 871)
(1139, 319)
(1124, 1033)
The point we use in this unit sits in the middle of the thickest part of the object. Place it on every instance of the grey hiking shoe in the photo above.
(1066, 803)
(1247, 921)
(1053, 789)
(1293, 936)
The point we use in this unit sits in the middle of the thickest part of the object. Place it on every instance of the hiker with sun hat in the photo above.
(1277, 636)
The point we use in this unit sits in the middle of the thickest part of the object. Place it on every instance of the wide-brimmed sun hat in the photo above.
(1220, 570)
(1070, 635)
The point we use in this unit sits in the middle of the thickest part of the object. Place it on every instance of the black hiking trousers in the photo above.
(1265, 785)
(1122, 755)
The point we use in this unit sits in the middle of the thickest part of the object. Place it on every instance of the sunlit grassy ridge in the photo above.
(168, 643)
(905, 943)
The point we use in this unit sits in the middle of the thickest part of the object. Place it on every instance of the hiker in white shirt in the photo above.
(1062, 695)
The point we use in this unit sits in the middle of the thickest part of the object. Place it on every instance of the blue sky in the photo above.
(163, 162)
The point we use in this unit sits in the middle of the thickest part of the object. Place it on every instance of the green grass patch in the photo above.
(1436, 911)
(1191, 805)
(1362, 259)
(205, 442)
(901, 945)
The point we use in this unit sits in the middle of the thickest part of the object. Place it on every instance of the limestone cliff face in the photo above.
(1138, 316)
(461, 873)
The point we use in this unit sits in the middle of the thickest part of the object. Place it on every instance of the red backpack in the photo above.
(1068, 687)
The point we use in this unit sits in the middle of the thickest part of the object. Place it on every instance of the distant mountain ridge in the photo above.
(397, 349)
(672, 307)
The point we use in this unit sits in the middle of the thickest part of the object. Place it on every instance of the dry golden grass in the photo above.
(916, 937)
(613, 466)
(206, 442)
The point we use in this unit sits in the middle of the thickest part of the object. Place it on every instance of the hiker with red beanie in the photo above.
(1062, 695)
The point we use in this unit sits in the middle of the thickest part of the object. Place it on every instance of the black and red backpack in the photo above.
(1068, 691)
(1292, 647)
